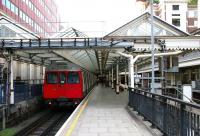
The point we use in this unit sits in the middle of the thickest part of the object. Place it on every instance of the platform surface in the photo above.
(106, 115)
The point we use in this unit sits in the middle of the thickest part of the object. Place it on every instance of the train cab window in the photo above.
(72, 78)
(52, 78)
(62, 78)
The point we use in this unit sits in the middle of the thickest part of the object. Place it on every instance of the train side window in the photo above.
(62, 78)
(52, 78)
(73, 78)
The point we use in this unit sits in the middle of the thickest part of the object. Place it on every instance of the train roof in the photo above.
(55, 70)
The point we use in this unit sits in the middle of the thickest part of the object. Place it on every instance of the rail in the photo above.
(172, 116)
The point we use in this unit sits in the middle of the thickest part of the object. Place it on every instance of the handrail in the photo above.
(170, 115)
(170, 98)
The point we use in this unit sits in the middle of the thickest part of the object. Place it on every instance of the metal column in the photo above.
(152, 48)
(29, 73)
(109, 80)
(117, 78)
(41, 74)
(11, 79)
(112, 79)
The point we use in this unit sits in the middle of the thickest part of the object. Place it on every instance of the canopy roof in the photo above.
(70, 32)
(12, 29)
(141, 27)
(99, 54)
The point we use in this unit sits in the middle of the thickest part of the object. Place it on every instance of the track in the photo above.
(48, 125)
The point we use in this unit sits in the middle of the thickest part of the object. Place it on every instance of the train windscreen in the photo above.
(52, 78)
(73, 78)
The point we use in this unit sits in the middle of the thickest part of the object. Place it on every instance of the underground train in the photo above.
(67, 87)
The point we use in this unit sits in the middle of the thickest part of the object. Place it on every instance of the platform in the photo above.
(104, 113)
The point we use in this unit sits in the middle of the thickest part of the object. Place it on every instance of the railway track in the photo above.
(47, 125)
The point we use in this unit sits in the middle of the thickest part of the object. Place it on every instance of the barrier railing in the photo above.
(172, 116)
(23, 90)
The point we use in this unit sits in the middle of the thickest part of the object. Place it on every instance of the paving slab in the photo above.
(106, 115)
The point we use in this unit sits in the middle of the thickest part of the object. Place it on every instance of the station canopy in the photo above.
(93, 54)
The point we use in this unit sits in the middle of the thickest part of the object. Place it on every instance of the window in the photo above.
(4, 2)
(20, 14)
(16, 11)
(62, 78)
(196, 23)
(8, 4)
(175, 14)
(52, 78)
(176, 21)
(196, 14)
(175, 7)
(12, 7)
(73, 78)
(191, 14)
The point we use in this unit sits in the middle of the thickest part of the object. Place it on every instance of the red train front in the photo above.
(63, 87)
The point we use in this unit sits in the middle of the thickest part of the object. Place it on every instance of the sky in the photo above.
(96, 17)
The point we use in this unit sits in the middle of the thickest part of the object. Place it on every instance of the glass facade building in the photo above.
(39, 16)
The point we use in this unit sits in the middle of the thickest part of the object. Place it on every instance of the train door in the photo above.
(51, 85)
(62, 86)
(75, 84)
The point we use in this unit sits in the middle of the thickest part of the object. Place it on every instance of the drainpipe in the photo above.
(131, 68)
(125, 81)
(133, 60)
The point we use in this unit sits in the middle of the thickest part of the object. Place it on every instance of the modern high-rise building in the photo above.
(39, 16)
(198, 13)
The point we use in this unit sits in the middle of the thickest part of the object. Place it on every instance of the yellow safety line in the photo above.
(74, 123)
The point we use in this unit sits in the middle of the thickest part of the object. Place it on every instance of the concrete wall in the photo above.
(26, 71)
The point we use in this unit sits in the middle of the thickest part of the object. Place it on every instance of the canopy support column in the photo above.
(11, 85)
(112, 79)
(117, 78)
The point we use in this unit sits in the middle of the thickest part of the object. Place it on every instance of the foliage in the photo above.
(8, 132)
(156, 1)
(192, 2)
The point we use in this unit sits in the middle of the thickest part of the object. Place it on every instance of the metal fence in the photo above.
(23, 90)
(172, 116)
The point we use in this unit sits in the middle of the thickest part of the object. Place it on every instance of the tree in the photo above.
(193, 2)
(156, 1)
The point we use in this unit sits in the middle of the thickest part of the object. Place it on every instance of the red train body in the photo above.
(65, 86)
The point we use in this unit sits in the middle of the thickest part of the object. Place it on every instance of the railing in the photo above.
(23, 90)
(172, 116)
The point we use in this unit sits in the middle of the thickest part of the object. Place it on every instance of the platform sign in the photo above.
(187, 93)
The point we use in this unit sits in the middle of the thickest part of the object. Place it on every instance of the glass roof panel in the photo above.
(144, 29)
(141, 26)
